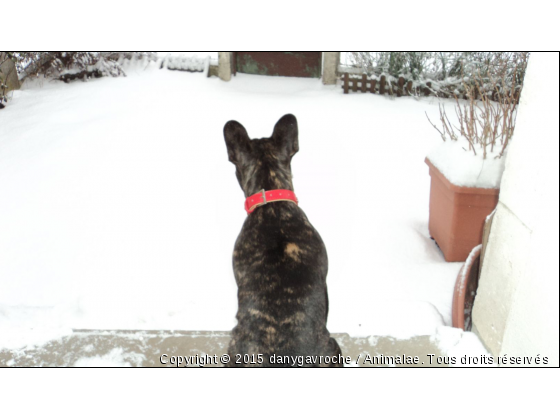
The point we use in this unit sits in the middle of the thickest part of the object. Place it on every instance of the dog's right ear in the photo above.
(285, 135)
(237, 142)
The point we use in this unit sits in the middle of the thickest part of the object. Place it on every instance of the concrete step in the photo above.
(197, 348)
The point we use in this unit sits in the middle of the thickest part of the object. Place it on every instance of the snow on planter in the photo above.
(465, 169)
(462, 348)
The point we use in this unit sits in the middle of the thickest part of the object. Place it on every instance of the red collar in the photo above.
(263, 197)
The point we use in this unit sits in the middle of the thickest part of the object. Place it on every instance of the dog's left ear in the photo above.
(237, 142)
(285, 136)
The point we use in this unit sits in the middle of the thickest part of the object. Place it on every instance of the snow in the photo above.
(463, 346)
(465, 169)
(120, 209)
(186, 56)
(186, 63)
(32, 326)
(490, 216)
(115, 358)
(212, 54)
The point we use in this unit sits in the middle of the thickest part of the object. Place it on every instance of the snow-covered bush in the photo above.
(446, 73)
(69, 65)
(476, 138)
(395, 64)
(487, 118)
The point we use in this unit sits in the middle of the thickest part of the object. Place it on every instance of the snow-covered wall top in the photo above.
(185, 63)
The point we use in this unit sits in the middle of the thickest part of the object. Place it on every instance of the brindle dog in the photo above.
(279, 260)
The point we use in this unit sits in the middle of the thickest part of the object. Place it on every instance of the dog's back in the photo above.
(280, 262)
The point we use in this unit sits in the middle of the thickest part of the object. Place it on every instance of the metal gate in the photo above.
(285, 63)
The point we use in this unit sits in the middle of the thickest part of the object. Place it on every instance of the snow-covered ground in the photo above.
(119, 208)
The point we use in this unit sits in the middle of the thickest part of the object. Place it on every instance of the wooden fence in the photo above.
(380, 86)
(403, 87)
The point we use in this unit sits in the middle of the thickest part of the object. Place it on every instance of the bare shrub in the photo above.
(487, 118)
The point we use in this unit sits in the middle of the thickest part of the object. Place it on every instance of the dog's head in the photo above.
(263, 163)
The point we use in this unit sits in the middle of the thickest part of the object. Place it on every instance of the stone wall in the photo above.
(8, 73)
(331, 59)
(225, 65)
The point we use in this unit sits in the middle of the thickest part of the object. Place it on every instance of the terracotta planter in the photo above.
(465, 291)
(457, 215)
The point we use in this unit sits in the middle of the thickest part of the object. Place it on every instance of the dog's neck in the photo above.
(266, 178)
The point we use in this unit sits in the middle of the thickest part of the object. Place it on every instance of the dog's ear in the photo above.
(237, 142)
(285, 136)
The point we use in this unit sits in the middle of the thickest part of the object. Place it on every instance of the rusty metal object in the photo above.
(285, 63)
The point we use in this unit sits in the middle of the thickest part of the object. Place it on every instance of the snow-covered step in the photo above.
(197, 348)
